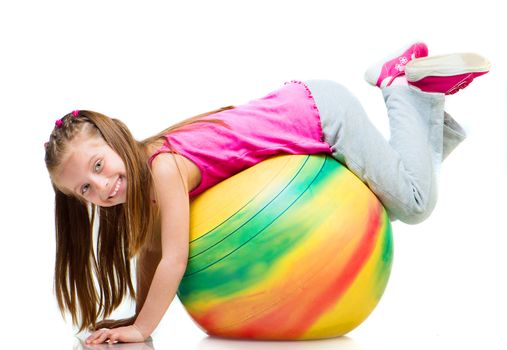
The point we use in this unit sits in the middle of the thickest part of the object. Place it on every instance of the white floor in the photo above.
(152, 64)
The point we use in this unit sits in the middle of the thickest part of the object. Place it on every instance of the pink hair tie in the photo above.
(59, 122)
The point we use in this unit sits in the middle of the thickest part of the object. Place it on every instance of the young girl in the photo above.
(141, 190)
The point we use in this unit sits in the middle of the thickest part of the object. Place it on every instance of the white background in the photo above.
(153, 63)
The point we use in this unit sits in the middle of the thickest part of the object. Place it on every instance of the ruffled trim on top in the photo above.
(314, 105)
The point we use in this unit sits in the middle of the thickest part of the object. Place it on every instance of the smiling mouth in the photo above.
(116, 188)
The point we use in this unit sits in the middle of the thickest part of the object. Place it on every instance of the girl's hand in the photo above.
(129, 334)
(114, 323)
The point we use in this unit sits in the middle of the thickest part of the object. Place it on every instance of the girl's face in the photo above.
(93, 171)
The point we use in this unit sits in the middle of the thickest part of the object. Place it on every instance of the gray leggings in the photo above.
(402, 172)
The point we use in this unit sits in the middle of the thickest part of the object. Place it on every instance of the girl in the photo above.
(141, 190)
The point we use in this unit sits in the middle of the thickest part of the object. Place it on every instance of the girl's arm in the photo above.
(147, 263)
(146, 266)
(172, 196)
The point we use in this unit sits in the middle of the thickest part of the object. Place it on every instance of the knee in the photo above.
(415, 212)
(412, 218)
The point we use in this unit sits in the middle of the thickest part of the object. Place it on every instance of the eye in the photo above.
(98, 165)
(83, 189)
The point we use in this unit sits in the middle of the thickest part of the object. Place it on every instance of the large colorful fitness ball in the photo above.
(295, 247)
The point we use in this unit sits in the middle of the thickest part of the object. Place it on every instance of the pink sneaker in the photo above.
(447, 73)
(383, 73)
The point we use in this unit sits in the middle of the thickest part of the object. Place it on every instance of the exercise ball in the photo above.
(294, 247)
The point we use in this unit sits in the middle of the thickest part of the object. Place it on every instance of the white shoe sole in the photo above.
(446, 65)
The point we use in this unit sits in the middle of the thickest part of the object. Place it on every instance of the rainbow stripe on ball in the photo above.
(295, 247)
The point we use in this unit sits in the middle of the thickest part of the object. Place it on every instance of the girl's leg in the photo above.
(453, 135)
(401, 172)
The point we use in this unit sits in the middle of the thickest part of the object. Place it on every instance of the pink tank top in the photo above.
(284, 121)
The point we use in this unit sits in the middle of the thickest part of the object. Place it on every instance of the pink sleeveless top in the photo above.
(284, 121)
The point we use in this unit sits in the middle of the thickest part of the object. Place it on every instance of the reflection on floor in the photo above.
(147, 345)
(211, 343)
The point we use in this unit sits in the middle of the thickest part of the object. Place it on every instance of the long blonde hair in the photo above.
(123, 229)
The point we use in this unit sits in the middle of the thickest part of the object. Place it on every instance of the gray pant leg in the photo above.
(401, 172)
(453, 135)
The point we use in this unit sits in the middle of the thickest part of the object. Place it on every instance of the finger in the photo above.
(113, 338)
(97, 333)
(102, 337)
(93, 336)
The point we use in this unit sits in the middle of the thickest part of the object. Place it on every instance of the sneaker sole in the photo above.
(446, 65)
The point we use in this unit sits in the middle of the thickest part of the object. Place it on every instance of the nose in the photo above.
(101, 186)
